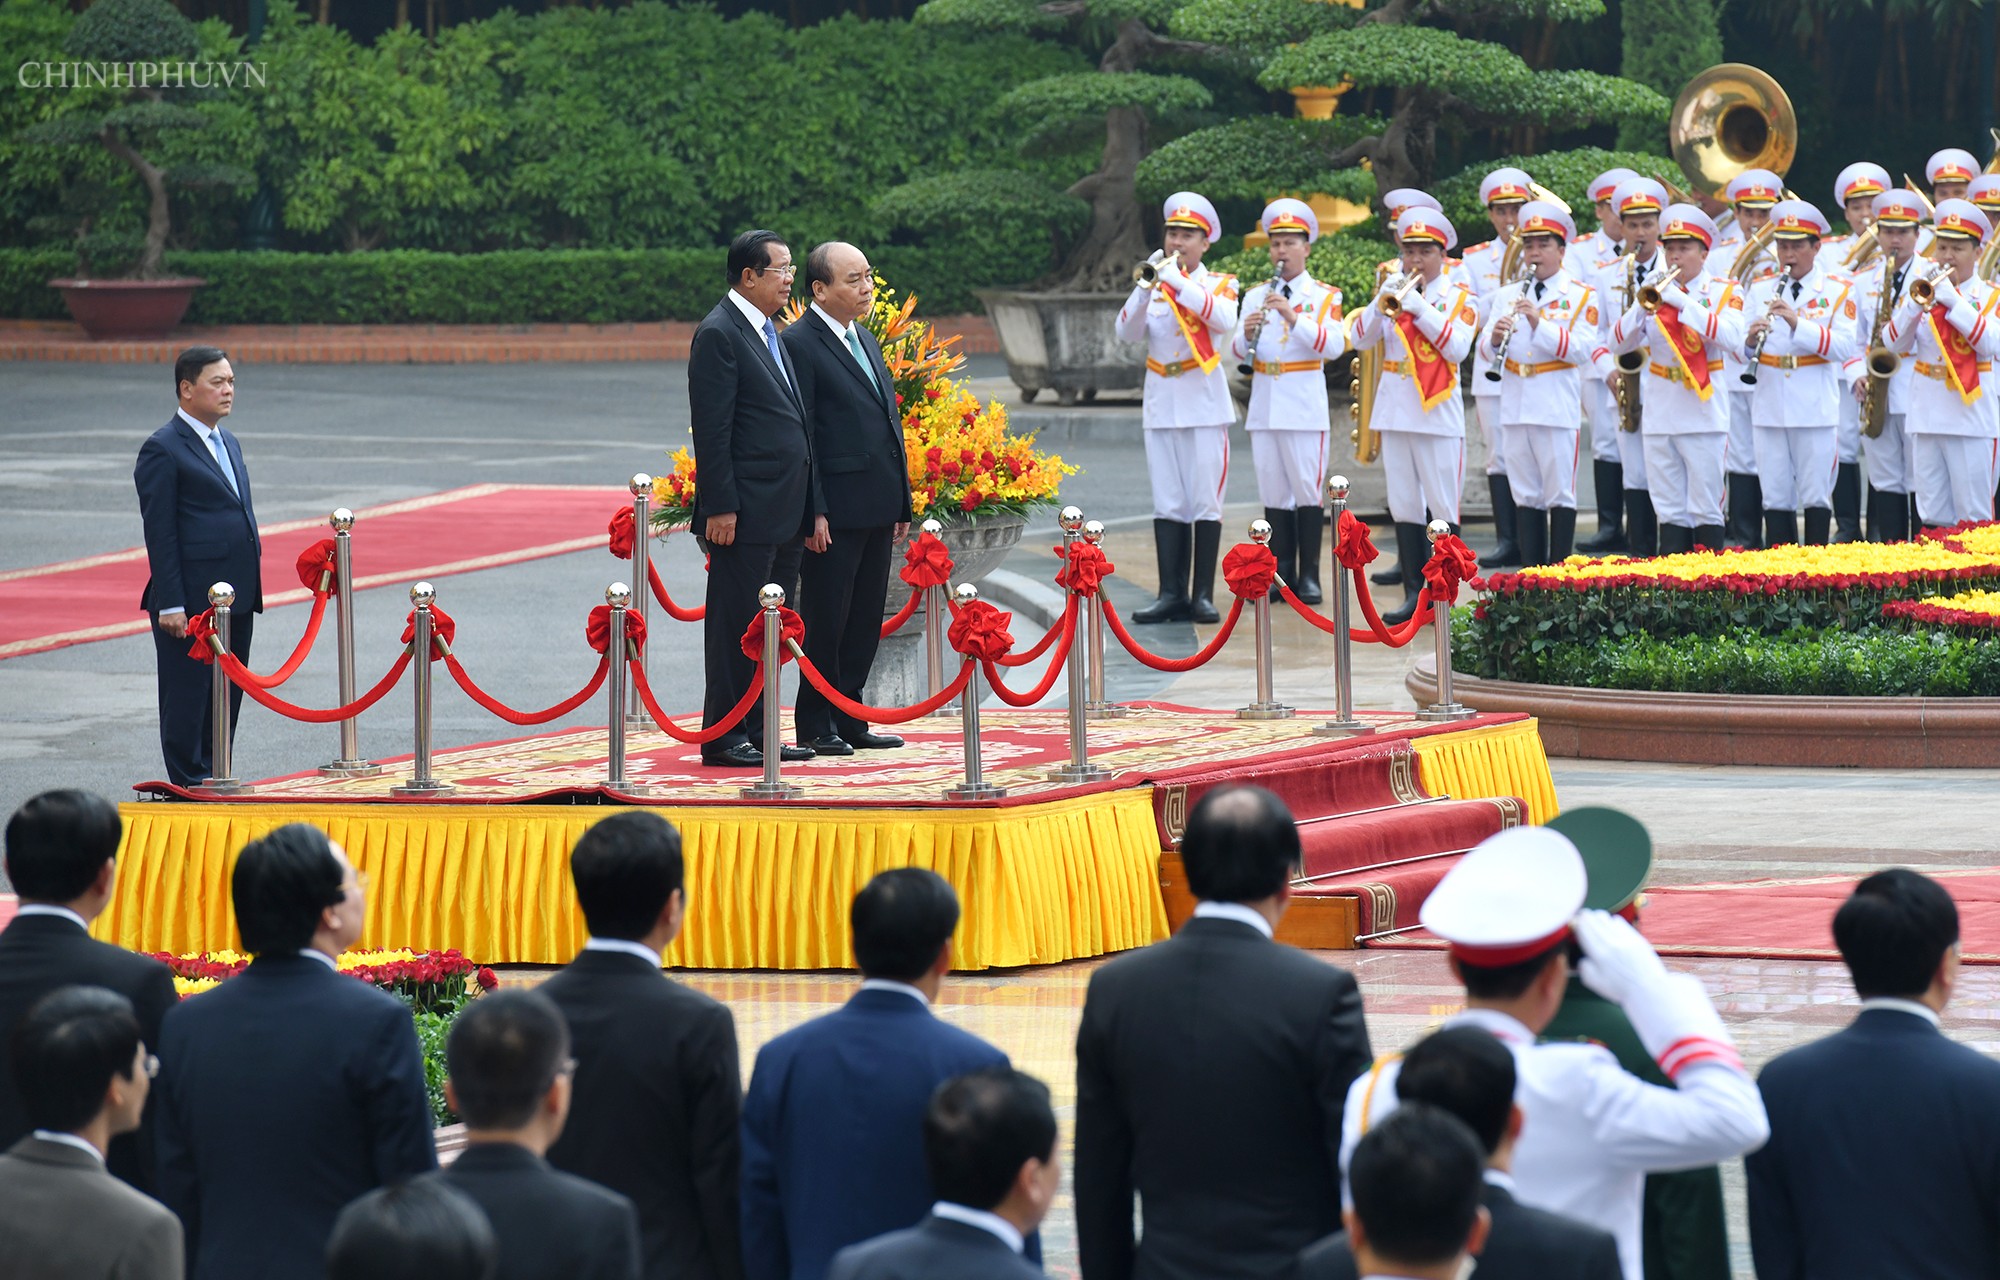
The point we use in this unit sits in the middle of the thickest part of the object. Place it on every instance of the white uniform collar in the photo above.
(1497, 1178)
(1509, 1029)
(51, 909)
(1234, 911)
(70, 1140)
(321, 956)
(625, 945)
(1009, 1234)
(1913, 1007)
(890, 984)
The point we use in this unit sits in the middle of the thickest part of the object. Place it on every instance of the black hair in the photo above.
(1509, 981)
(751, 251)
(980, 1128)
(57, 843)
(1416, 1179)
(1465, 1072)
(901, 920)
(1240, 845)
(819, 263)
(280, 886)
(189, 364)
(423, 1229)
(502, 1055)
(64, 1052)
(625, 868)
(1893, 932)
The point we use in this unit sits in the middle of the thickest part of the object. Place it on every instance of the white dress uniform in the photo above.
(1585, 260)
(1751, 189)
(1889, 454)
(1614, 286)
(1186, 411)
(1541, 388)
(1591, 1130)
(1860, 180)
(1482, 273)
(1288, 418)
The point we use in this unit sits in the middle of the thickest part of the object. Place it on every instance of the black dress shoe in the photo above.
(874, 741)
(831, 745)
(740, 756)
(790, 752)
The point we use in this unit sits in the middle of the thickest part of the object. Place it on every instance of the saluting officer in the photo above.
(1897, 215)
(1950, 172)
(1541, 335)
(1751, 194)
(1503, 192)
(1856, 187)
(1288, 333)
(1588, 256)
(1804, 321)
(1687, 415)
(1954, 419)
(1639, 202)
(1185, 321)
(1428, 325)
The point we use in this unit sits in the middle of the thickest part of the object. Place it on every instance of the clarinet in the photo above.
(1521, 278)
(1271, 287)
(1756, 353)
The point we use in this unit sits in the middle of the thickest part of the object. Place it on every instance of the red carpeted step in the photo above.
(1342, 777)
(1389, 897)
(1340, 844)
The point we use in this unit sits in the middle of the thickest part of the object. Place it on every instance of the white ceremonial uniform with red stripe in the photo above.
(1685, 434)
(1795, 409)
(1741, 454)
(1423, 451)
(1287, 418)
(1586, 259)
(1186, 412)
(1955, 446)
(1482, 272)
(1540, 400)
(1889, 454)
(1613, 291)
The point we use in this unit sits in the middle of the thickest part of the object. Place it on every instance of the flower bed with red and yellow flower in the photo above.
(1977, 609)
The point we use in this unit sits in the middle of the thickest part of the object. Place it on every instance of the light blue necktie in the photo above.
(854, 345)
(221, 456)
(771, 341)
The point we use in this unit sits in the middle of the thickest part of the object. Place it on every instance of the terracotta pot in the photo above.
(128, 308)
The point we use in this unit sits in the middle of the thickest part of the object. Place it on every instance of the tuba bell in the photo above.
(1730, 118)
(1368, 362)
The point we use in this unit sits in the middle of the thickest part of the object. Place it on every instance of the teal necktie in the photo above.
(854, 345)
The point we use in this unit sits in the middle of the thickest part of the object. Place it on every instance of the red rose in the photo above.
(487, 979)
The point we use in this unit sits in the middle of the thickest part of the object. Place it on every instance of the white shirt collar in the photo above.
(756, 318)
(1510, 1030)
(201, 428)
(51, 909)
(321, 956)
(890, 984)
(1504, 1181)
(840, 330)
(70, 1140)
(1233, 911)
(1920, 1010)
(1009, 1234)
(625, 945)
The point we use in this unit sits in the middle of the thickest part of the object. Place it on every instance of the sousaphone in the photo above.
(1730, 118)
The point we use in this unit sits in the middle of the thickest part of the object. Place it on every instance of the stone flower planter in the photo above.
(1064, 341)
(128, 308)
(897, 679)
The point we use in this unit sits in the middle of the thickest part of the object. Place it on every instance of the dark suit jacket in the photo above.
(653, 1115)
(752, 452)
(1884, 1158)
(833, 1148)
(285, 1093)
(198, 532)
(1211, 1070)
(62, 1215)
(934, 1249)
(40, 953)
(1525, 1244)
(550, 1225)
(857, 431)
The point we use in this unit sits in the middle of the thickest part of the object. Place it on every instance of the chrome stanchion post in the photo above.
(975, 786)
(1079, 768)
(221, 780)
(349, 763)
(1444, 708)
(935, 625)
(1096, 704)
(421, 783)
(1343, 723)
(772, 598)
(642, 585)
(1266, 707)
(616, 681)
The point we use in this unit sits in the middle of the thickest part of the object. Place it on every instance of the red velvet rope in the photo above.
(1379, 632)
(1354, 547)
(316, 567)
(674, 611)
(790, 627)
(442, 628)
(1040, 691)
(927, 562)
(1083, 568)
(694, 737)
(1041, 646)
(1158, 663)
(1249, 569)
(236, 672)
(620, 531)
(903, 615)
(881, 715)
(202, 628)
(597, 631)
(512, 716)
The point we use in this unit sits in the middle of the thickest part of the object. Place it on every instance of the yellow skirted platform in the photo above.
(1493, 760)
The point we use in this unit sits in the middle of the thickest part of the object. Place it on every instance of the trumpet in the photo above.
(1923, 289)
(1649, 292)
(1148, 272)
(1521, 278)
(1394, 294)
(1755, 352)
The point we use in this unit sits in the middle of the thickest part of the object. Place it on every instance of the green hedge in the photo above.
(1345, 259)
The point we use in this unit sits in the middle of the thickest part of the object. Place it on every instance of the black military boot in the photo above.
(1610, 478)
(1675, 539)
(1531, 531)
(1312, 535)
(1207, 541)
(1642, 527)
(1819, 525)
(1781, 528)
(1171, 540)
(1413, 551)
(1710, 537)
(1284, 547)
(1562, 533)
(1505, 529)
(1746, 504)
(1891, 521)
(1847, 503)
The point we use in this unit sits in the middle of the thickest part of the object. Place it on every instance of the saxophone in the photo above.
(1625, 382)
(1882, 362)
(1368, 362)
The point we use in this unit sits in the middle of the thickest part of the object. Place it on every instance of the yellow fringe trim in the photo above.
(1499, 760)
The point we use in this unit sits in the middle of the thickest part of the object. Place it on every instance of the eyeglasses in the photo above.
(152, 1066)
(787, 271)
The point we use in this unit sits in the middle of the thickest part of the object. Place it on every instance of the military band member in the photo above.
(1751, 194)
(1856, 187)
(1802, 329)
(1639, 202)
(1897, 215)
(1541, 334)
(1185, 320)
(1287, 334)
(1503, 192)
(1419, 412)
(1950, 172)
(1587, 257)
(1687, 413)
(1984, 192)
(1399, 199)
(1954, 417)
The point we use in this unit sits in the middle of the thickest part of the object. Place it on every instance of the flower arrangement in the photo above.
(1853, 564)
(1966, 609)
(673, 493)
(431, 981)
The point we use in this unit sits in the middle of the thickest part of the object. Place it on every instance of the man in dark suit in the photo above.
(757, 497)
(194, 500)
(291, 1088)
(509, 1080)
(1416, 1213)
(657, 1092)
(84, 1074)
(990, 1145)
(424, 1229)
(1211, 1069)
(833, 1147)
(1468, 1073)
(60, 851)
(850, 401)
(1884, 1158)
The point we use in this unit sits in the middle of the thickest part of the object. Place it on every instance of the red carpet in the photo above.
(460, 530)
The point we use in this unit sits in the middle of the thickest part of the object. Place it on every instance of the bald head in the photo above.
(1241, 845)
(842, 282)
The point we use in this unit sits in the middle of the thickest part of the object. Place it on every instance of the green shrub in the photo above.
(1345, 259)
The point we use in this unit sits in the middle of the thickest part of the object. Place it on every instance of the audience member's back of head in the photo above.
(1415, 1179)
(901, 921)
(419, 1230)
(1241, 845)
(1467, 1074)
(1893, 933)
(504, 1052)
(64, 1052)
(57, 843)
(980, 1129)
(625, 869)
(281, 885)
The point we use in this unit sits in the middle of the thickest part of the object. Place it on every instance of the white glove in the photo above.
(1618, 962)
(1674, 296)
(1947, 292)
(1171, 274)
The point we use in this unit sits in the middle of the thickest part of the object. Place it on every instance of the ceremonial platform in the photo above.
(1051, 871)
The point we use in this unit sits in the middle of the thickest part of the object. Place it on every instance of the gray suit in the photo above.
(62, 1214)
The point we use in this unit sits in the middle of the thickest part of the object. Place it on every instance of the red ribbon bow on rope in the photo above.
(442, 628)
(598, 630)
(980, 631)
(1250, 569)
(927, 562)
(621, 533)
(316, 566)
(1354, 548)
(1451, 563)
(1085, 568)
(793, 628)
(199, 629)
